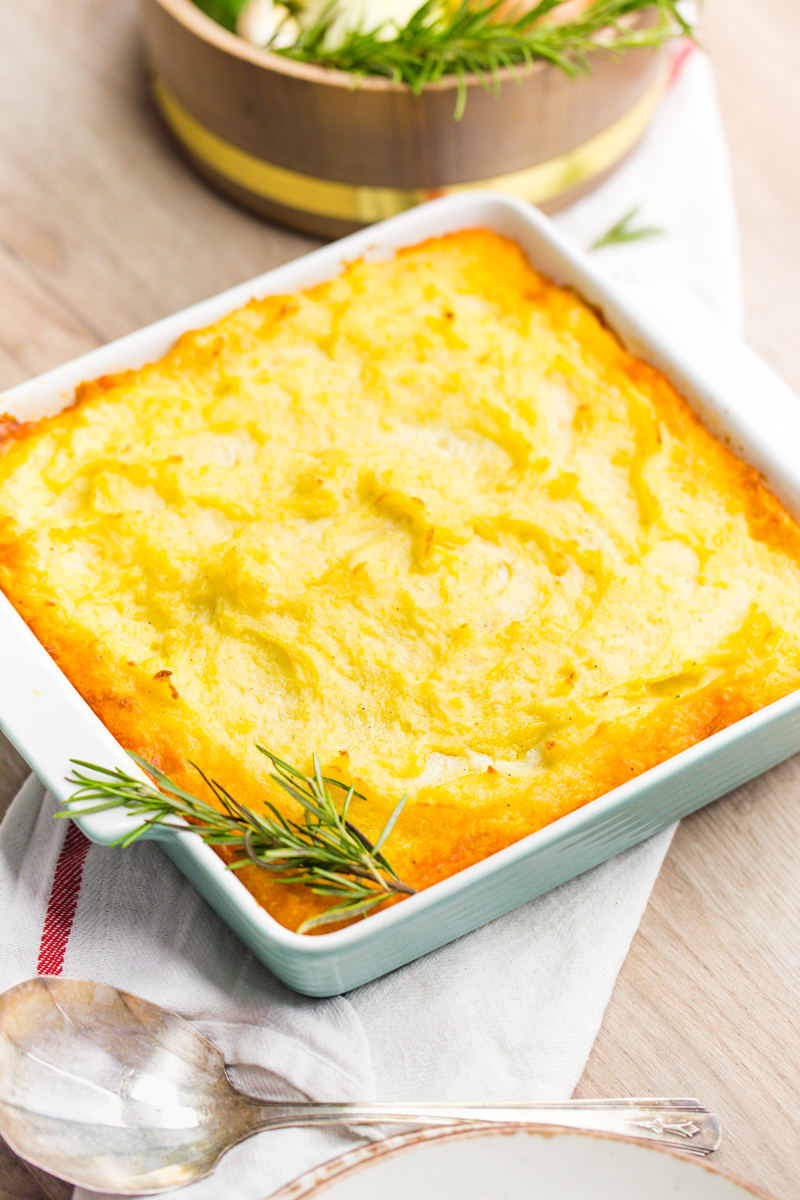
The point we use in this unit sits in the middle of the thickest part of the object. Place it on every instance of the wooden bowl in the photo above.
(302, 145)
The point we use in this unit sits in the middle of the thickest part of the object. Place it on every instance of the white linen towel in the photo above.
(509, 1012)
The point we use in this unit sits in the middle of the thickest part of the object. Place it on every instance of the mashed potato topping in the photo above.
(428, 520)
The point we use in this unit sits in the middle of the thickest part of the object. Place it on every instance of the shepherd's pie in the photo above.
(429, 520)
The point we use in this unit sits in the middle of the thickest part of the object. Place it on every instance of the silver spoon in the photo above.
(106, 1090)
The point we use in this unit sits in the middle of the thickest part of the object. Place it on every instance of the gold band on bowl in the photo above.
(365, 203)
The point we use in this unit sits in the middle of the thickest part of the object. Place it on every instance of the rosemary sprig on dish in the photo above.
(471, 37)
(624, 231)
(326, 852)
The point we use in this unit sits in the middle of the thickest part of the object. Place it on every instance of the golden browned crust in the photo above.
(11, 430)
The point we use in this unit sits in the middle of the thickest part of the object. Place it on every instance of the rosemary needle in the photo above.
(624, 231)
(325, 852)
(473, 37)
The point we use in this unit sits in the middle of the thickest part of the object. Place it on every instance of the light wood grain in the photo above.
(755, 49)
(103, 230)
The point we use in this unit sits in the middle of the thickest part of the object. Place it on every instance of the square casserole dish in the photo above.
(740, 400)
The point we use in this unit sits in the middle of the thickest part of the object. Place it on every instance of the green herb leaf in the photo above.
(390, 824)
(476, 38)
(224, 12)
(624, 231)
(326, 852)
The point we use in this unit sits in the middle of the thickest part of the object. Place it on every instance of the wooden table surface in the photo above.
(103, 230)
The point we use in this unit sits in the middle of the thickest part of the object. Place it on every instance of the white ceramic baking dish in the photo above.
(738, 397)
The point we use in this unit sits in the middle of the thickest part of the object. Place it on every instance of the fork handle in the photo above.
(680, 1124)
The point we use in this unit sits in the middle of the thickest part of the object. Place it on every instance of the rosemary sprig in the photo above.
(624, 231)
(473, 37)
(478, 38)
(326, 852)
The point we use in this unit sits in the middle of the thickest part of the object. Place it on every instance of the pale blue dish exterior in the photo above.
(737, 396)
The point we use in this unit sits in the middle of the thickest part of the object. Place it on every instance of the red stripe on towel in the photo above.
(683, 51)
(63, 902)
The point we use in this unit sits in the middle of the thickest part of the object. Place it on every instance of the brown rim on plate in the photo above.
(309, 1185)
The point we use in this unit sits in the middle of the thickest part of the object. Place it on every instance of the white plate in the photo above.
(513, 1164)
(738, 397)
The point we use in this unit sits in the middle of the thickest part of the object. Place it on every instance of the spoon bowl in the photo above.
(107, 1090)
(116, 1094)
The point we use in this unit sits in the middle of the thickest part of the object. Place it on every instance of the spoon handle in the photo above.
(681, 1124)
